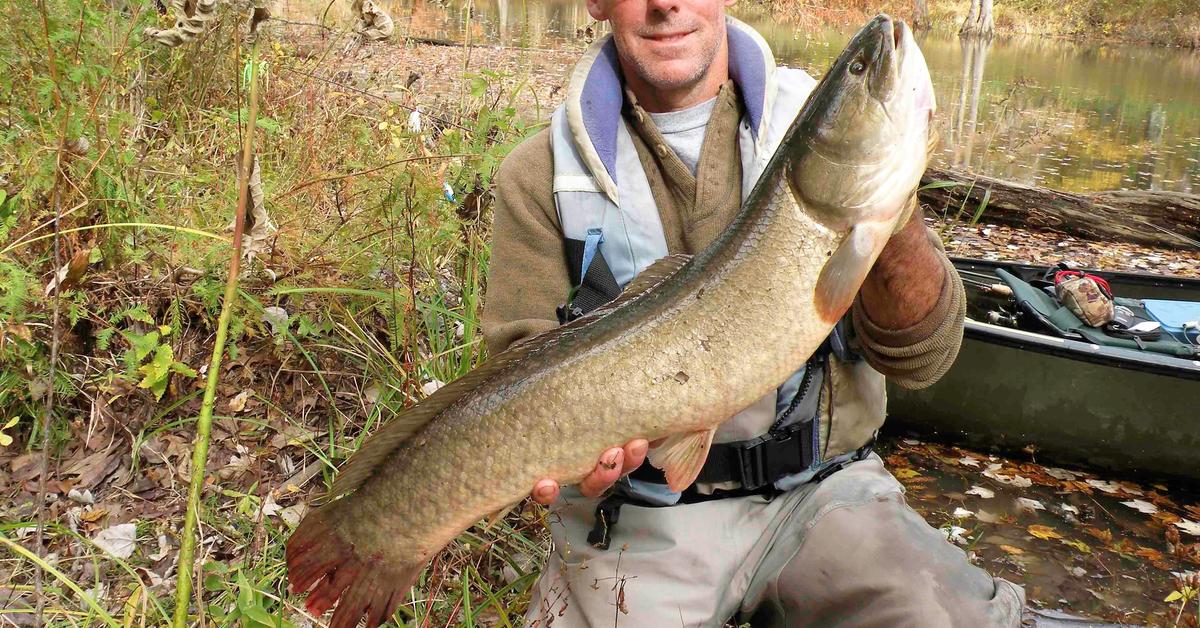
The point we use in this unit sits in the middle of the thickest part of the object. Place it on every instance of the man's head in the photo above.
(673, 52)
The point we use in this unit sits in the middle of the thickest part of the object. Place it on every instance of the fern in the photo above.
(14, 290)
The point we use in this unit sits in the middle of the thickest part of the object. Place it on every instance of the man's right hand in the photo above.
(613, 464)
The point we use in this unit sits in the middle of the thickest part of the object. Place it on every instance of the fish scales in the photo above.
(619, 389)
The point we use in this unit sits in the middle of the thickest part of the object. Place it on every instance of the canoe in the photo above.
(1070, 401)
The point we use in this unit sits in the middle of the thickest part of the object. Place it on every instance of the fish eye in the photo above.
(858, 67)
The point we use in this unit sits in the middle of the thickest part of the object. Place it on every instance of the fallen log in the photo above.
(1165, 219)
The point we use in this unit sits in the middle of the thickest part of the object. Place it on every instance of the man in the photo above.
(666, 126)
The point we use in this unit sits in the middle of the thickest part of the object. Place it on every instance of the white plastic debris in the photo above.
(414, 121)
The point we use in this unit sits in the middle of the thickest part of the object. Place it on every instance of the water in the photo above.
(1080, 117)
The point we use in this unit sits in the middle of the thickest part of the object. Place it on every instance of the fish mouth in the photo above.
(900, 78)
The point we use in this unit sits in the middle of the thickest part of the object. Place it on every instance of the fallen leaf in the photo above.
(905, 474)
(238, 403)
(1060, 474)
(961, 513)
(431, 387)
(1015, 551)
(1069, 508)
(1107, 487)
(1043, 532)
(1191, 527)
(1029, 504)
(954, 534)
(1149, 553)
(985, 493)
(1077, 544)
(987, 517)
(968, 461)
(1141, 506)
(118, 541)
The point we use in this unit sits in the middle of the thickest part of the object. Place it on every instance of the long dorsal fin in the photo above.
(378, 446)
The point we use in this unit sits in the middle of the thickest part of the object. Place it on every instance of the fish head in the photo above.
(863, 139)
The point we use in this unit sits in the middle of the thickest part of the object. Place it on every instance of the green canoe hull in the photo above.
(1074, 402)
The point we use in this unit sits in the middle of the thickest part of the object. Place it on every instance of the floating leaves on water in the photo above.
(1114, 488)
(1076, 544)
(1069, 508)
(1013, 480)
(118, 541)
(1061, 474)
(374, 23)
(1009, 549)
(1104, 536)
(1191, 527)
(1141, 506)
(968, 461)
(985, 493)
(905, 474)
(962, 513)
(1043, 532)
(954, 534)
(1024, 503)
(186, 26)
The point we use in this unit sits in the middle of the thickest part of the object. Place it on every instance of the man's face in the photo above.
(670, 44)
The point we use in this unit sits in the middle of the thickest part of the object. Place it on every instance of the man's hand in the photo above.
(613, 464)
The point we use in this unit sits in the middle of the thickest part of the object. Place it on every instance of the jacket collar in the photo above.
(595, 97)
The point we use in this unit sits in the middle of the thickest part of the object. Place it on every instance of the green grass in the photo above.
(380, 275)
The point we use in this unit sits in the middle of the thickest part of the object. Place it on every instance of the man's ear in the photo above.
(598, 9)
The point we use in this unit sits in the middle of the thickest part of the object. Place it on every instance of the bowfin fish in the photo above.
(688, 344)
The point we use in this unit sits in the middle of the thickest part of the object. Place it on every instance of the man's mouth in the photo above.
(668, 38)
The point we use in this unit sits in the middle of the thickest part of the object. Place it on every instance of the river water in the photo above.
(1073, 116)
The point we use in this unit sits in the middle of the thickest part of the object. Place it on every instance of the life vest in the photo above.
(612, 228)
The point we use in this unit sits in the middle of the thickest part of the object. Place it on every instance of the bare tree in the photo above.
(979, 22)
(920, 20)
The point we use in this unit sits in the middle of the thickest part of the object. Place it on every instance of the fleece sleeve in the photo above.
(919, 355)
(528, 272)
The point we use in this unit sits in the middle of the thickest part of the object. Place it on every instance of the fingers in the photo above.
(545, 492)
(635, 455)
(612, 465)
(607, 471)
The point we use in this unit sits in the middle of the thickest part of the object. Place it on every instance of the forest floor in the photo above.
(380, 279)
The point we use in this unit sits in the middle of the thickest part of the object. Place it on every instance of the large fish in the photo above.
(690, 342)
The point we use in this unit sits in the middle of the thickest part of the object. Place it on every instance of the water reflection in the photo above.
(1035, 110)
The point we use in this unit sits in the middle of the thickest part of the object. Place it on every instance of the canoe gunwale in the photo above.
(1146, 361)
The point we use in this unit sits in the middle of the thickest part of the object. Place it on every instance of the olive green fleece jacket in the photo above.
(528, 275)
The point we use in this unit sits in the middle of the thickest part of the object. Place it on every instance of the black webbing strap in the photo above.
(752, 463)
(594, 289)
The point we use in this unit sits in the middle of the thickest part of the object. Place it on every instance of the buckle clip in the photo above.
(766, 459)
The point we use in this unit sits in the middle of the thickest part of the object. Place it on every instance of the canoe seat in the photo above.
(1058, 320)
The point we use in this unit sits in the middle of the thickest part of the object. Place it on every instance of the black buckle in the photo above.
(568, 312)
(608, 511)
(766, 459)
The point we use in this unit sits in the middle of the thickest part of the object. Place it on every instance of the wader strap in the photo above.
(595, 283)
(759, 462)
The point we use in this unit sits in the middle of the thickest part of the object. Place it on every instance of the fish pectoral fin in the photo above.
(847, 268)
(681, 456)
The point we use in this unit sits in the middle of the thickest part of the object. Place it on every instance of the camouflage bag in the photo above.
(1087, 296)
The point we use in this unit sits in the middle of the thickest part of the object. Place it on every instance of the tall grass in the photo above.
(380, 277)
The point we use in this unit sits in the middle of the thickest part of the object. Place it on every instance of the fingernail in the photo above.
(546, 492)
(610, 461)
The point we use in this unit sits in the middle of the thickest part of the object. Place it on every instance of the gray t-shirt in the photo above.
(684, 130)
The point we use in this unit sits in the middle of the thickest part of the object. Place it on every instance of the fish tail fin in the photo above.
(359, 585)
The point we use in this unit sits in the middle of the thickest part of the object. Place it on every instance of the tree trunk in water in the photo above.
(920, 19)
(1165, 219)
(979, 22)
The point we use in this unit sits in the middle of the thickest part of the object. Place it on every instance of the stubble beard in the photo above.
(657, 80)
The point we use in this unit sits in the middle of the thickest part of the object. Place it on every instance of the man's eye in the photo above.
(858, 67)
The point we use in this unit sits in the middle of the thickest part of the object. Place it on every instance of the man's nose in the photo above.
(663, 7)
